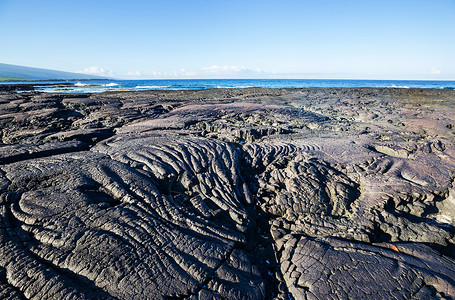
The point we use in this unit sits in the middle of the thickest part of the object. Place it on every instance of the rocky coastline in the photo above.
(251, 193)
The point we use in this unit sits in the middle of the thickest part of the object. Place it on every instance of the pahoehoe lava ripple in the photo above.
(228, 194)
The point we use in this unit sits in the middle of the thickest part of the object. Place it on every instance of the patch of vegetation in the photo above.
(2, 78)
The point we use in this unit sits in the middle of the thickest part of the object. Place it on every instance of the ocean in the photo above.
(94, 86)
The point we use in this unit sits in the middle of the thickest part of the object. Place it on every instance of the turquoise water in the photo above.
(191, 84)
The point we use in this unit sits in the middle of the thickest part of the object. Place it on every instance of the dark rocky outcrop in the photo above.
(228, 194)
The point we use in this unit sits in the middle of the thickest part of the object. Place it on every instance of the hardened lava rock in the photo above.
(101, 228)
(228, 194)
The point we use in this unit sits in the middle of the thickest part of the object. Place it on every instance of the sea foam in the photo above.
(399, 86)
(80, 84)
(235, 87)
(152, 86)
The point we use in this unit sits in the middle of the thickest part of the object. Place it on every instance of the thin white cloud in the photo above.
(95, 70)
(435, 71)
(182, 73)
(188, 73)
(216, 69)
(134, 73)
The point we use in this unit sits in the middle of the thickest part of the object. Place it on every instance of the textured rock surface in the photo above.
(238, 194)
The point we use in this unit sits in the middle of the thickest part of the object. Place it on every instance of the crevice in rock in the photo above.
(262, 252)
(97, 194)
(81, 143)
(259, 246)
(46, 153)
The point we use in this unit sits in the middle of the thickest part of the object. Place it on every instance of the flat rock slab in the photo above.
(228, 194)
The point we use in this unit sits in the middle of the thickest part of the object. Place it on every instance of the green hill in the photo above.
(21, 73)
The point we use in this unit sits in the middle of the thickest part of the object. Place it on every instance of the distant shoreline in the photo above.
(27, 81)
(421, 96)
(27, 87)
(107, 85)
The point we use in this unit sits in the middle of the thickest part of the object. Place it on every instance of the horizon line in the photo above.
(366, 79)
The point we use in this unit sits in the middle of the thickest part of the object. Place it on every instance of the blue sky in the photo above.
(400, 39)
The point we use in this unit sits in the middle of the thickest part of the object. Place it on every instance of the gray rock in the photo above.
(228, 194)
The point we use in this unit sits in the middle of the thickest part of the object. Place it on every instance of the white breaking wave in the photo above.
(235, 87)
(80, 84)
(152, 86)
(400, 86)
